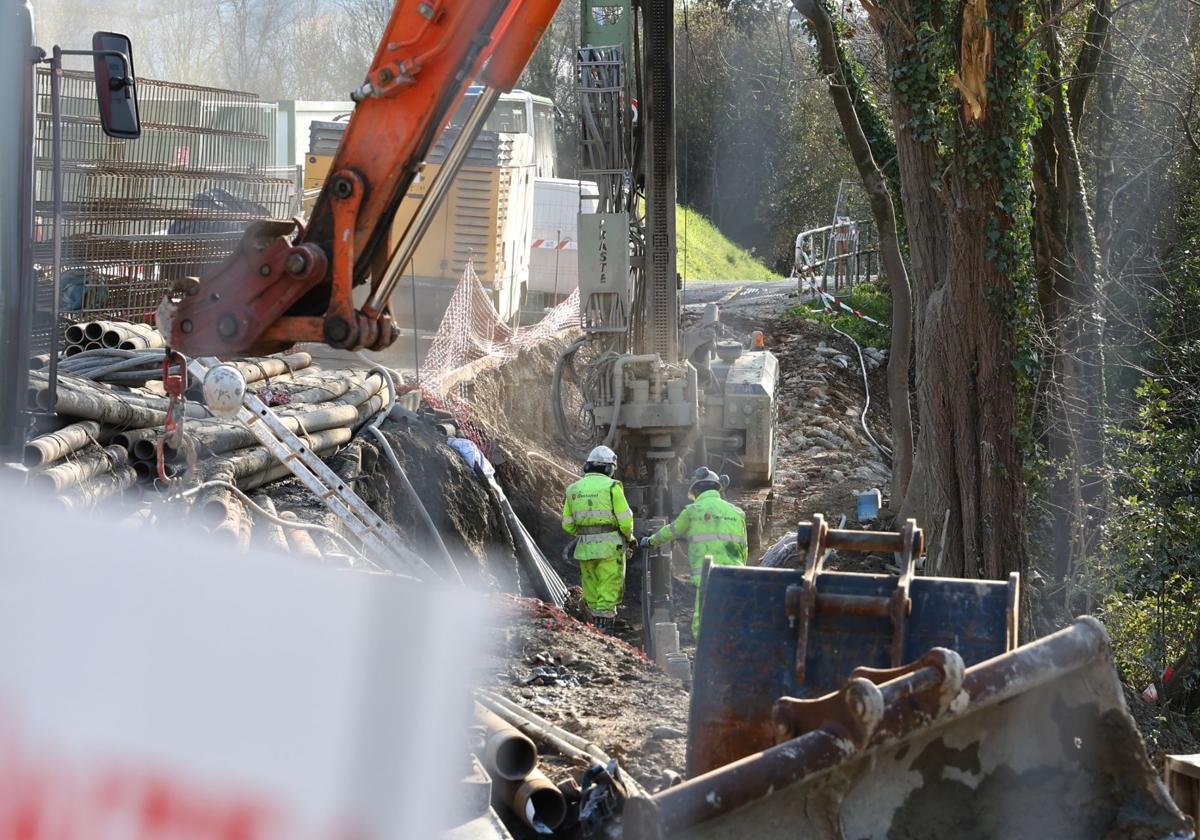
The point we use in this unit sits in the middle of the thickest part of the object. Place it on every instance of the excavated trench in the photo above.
(596, 686)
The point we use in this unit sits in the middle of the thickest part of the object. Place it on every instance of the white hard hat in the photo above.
(706, 479)
(224, 389)
(602, 455)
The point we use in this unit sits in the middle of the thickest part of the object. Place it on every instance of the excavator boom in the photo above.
(286, 283)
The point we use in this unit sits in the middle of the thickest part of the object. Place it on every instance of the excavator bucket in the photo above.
(1034, 743)
(769, 633)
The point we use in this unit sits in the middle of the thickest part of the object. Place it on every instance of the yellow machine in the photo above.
(486, 218)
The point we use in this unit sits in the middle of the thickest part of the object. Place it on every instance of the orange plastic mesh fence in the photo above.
(471, 330)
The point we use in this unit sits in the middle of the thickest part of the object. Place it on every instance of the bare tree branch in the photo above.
(1183, 121)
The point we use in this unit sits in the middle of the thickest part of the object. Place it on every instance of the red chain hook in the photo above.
(172, 434)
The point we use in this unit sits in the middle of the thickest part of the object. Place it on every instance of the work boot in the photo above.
(604, 623)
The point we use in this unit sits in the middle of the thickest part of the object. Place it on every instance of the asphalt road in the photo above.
(753, 303)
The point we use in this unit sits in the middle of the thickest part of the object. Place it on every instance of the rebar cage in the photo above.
(138, 214)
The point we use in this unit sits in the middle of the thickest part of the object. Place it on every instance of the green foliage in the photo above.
(704, 253)
(874, 125)
(1152, 536)
(1149, 629)
(759, 146)
(1145, 574)
(871, 299)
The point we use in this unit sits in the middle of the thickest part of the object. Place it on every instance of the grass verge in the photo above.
(707, 254)
(871, 299)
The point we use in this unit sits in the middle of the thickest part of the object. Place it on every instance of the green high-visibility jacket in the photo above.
(596, 511)
(711, 526)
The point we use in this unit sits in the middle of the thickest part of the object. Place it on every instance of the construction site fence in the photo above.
(838, 256)
(138, 214)
(473, 337)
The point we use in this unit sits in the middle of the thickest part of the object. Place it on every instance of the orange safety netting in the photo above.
(471, 330)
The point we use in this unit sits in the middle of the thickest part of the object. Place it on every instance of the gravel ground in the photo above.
(602, 689)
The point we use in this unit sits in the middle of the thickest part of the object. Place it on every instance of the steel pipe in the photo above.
(49, 448)
(114, 334)
(91, 493)
(277, 472)
(236, 525)
(91, 463)
(218, 437)
(256, 370)
(300, 542)
(507, 753)
(329, 388)
(146, 449)
(117, 333)
(107, 409)
(94, 330)
(269, 532)
(251, 468)
(564, 742)
(145, 470)
(143, 342)
(535, 800)
(212, 504)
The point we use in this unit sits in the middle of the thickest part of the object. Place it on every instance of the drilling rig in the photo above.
(666, 398)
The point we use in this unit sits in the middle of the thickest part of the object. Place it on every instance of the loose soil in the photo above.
(605, 689)
(608, 692)
(825, 458)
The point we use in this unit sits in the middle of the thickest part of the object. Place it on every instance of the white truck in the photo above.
(554, 249)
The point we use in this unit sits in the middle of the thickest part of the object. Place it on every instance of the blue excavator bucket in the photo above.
(1034, 743)
(799, 633)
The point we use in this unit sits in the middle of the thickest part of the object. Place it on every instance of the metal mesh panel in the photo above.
(138, 214)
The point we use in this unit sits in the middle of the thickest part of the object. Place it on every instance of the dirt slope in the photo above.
(604, 689)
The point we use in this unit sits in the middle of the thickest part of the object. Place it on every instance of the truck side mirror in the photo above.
(116, 92)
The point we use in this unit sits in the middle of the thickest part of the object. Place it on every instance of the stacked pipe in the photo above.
(511, 759)
(73, 465)
(92, 335)
(134, 367)
(228, 452)
(111, 429)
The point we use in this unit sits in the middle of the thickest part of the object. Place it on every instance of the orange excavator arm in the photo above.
(285, 283)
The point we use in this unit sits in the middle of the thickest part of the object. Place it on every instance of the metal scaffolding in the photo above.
(138, 214)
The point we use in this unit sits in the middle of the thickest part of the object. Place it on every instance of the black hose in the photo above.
(569, 438)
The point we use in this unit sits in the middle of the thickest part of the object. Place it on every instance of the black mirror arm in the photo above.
(126, 80)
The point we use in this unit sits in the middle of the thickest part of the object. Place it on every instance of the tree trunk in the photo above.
(968, 457)
(1088, 62)
(1067, 263)
(961, 215)
(899, 355)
